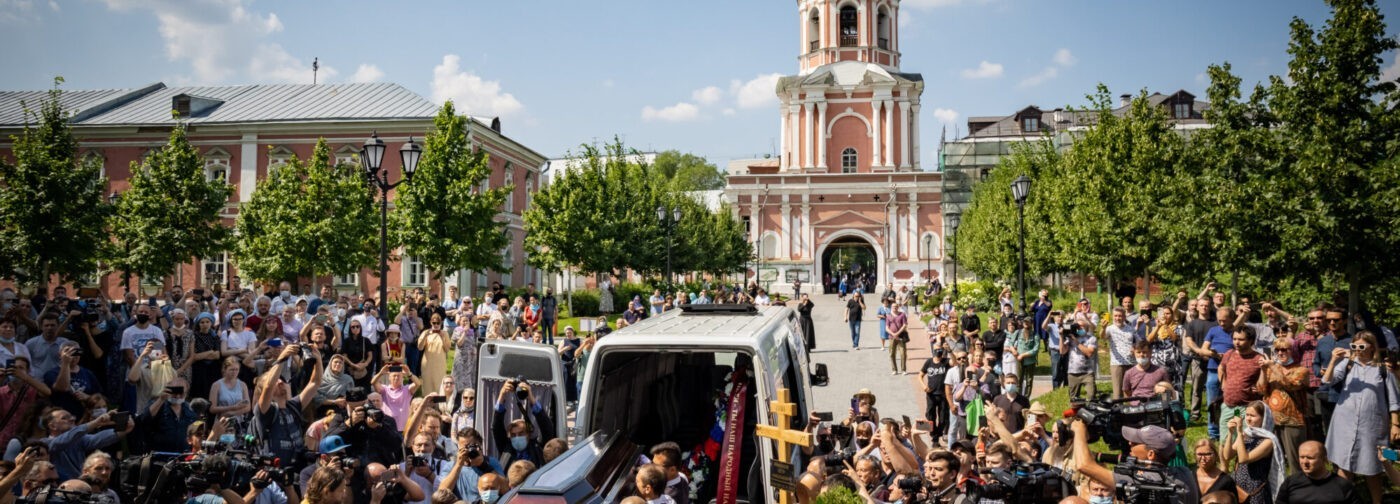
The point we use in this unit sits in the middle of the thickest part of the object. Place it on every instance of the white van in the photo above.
(658, 381)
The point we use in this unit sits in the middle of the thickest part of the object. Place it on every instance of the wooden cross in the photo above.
(783, 411)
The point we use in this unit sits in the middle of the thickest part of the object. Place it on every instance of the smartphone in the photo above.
(824, 416)
(437, 399)
(1390, 454)
(274, 342)
(88, 292)
(119, 419)
(907, 425)
(395, 368)
(9, 363)
(855, 404)
(175, 389)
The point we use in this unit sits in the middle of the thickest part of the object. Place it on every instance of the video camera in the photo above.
(1147, 483)
(161, 477)
(1106, 418)
(52, 495)
(1025, 482)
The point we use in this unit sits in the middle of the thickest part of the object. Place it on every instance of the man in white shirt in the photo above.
(657, 302)
(139, 333)
(369, 322)
(1120, 349)
(284, 298)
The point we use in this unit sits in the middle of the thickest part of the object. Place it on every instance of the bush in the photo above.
(625, 291)
(585, 303)
(839, 495)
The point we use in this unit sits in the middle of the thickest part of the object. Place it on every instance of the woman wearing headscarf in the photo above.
(204, 367)
(1367, 402)
(464, 363)
(1251, 444)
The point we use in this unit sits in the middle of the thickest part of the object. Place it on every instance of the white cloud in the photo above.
(757, 92)
(945, 115)
(367, 73)
(222, 40)
(1064, 58)
(984, 70)
(707, 96)
(1392, 72)
(728, 112)
(17, 11)
(1040, 78)
(679, 112)
(471, 94)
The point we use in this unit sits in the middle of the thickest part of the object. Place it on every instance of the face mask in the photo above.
(1081, 332)
(143, 318)
(1013, 389)
(7, 341)
(286, 295)
(177, 401)
(339, 312)
(227, 439)
(1101, 500)
(519, 442)
(490, 496)
(1143, 361)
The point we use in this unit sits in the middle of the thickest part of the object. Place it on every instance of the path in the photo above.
(869, 366)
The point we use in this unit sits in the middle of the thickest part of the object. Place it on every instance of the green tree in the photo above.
(307, 219)
(688, 172)
(1340, 120)
(441, 217)
(989, 227)
(171, 212)
(52, 205)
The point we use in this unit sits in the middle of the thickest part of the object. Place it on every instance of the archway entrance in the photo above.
(854, 259)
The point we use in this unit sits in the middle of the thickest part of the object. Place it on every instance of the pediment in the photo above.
(848, 219)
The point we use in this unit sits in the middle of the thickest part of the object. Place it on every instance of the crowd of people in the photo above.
(1297, 408)
(318, 398)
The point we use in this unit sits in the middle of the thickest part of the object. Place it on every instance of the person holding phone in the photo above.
(74, 388)
(397, 396)
(169, 417)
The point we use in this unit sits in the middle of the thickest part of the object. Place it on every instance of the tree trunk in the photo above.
(1235, 287)
(1353, 296)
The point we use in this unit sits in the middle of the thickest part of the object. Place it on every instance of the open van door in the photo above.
(500, 361)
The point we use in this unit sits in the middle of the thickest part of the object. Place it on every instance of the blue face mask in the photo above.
(227, 439)
(1101, 500)
(490, 496)
(519, 442)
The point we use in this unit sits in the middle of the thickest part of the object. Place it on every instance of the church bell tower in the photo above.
(848, 30)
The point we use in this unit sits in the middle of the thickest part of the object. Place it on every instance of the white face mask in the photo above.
(1143, 361)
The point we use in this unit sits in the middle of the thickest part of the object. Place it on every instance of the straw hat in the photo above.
(866, 394)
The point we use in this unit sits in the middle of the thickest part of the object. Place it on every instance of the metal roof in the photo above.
(1059, 119)
(258, 103)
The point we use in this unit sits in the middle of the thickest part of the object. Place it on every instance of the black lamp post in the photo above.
(954, 219)
(113, 199)
(928, 261)
(675, 215)
(1020, 189)
(371, 157)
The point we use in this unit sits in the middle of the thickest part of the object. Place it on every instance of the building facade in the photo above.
(244, 131)
(847, 193)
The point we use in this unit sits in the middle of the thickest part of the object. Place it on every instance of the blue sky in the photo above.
(693, 76)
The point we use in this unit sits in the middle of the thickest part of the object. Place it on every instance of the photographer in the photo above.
(279, 415)
(69, 444)
(1082, 348)
(1151, 445)
(423, 468)
(397, 486)
(519, 440)
(470, 465)
(169, 418)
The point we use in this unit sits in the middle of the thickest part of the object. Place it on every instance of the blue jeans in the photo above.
(1213, 394)
(1056, 377)
(855, 333)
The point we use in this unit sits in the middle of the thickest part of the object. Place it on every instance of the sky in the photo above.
(698, 77)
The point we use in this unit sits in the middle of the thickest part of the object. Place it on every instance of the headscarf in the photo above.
(229, 316)
(874, 431)
(213, 325)
(1266, 431)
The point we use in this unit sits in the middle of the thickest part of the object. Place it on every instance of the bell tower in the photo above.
(848, 30)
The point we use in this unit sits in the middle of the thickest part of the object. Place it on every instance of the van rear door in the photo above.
(500, 361)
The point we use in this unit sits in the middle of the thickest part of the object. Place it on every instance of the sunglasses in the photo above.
(1336, 320)
(1315, 318)
(1360, 347)
(1204, 455)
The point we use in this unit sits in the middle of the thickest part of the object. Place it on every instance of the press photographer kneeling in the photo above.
(1149, 449)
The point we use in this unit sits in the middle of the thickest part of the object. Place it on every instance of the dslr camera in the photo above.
(1147, 483)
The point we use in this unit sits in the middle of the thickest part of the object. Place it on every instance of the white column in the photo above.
(915, 236)
(807, 247)
(904, 134)
(890, 227)
(889, 133)
(785, 230)
(793, 144)
(808, 135)
(914, 135)
(821, 135)
(783, 139)
(248, 167)
(875, 138)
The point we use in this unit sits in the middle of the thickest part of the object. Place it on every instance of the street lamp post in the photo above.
(954, 219)
(675, 215)
(1020, 189)
(113, 199)
(371, 157)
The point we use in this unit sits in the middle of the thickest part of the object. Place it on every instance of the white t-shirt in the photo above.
(240, 340)
(369, 326)
(134, 338)
(1120, 346)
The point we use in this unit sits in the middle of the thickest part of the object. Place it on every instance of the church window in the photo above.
(814, 30)
(882, 23)
(850, 31)
(848, 160)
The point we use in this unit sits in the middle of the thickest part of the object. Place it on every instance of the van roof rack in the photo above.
(719, 308)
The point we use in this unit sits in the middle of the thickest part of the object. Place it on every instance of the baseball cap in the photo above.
(333, 444)
(1155, 438)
